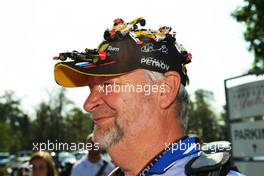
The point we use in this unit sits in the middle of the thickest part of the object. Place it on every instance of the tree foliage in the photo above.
(14, 123)
(202, 119)
(78, 125)
(252, 15)
(56, 119)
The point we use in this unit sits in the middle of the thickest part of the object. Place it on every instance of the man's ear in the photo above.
(171, 85)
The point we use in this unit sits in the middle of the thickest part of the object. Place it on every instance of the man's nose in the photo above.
(93, 101)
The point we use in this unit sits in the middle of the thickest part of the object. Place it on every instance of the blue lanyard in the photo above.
(166, 159)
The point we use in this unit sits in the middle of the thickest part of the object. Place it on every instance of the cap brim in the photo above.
(71, 74)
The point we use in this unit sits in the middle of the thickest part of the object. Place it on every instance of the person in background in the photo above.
(43, 164)
(92, 164)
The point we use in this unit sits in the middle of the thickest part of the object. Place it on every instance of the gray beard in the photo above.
(106, 137)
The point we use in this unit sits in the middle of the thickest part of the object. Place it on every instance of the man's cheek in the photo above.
(113, 101)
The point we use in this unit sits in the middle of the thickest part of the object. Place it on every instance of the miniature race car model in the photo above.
(121, 28)
(94, 56)
(162, 34)
(186, 55)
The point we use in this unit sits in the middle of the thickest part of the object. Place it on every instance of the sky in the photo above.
(33, 31)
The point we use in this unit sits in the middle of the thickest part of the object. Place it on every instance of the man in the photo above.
(93, 164)
(138, 101)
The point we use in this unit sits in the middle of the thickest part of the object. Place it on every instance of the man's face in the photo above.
(121, 112)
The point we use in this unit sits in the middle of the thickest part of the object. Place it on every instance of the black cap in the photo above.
(124, 49)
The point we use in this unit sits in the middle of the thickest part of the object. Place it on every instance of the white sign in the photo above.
(250, 168)
(246, 100)
(248, 138)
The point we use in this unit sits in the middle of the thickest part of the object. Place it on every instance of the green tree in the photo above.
(42, 123)
(79, 125)
(58, 120)
(50, 117)
(202, 118)
(5, 139)
(14, 124)
(252, 15)
(10, 109)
